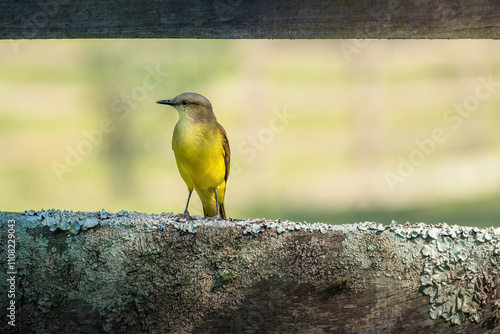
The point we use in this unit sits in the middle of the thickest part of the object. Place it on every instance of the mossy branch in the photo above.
(135, 273)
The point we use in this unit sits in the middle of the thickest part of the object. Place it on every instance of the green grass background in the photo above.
(355, 116)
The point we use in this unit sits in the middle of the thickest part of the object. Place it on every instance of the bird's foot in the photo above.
(186, 216)
(214, 218)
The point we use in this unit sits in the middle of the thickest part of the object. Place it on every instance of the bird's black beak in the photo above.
(169, 102)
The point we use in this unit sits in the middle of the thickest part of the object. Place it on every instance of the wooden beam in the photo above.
(73, 272)
(249, 19)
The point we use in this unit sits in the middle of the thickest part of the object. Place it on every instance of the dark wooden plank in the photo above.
(249, 19)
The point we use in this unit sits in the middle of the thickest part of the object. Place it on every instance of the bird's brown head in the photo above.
(195, 106)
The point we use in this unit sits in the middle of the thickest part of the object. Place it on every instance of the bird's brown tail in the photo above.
(222, 211)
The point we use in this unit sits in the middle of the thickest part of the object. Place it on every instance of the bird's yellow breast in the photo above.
(199, 154)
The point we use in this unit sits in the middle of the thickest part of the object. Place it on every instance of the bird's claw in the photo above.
(214, 218)
(186, 216)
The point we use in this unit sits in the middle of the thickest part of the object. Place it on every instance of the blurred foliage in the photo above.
(483, 212)
(314, 129)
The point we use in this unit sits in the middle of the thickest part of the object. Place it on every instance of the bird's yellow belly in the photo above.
(200, 161)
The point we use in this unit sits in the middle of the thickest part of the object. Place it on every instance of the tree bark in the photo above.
(249, 19)
(99, 272)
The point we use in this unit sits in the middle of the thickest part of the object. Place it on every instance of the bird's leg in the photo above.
(217, 213)
(186, 212)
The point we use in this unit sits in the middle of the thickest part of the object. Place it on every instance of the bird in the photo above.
(201, 150)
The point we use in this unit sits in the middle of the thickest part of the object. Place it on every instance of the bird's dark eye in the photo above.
(185, 102)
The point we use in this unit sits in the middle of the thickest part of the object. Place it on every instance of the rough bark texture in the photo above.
(136, 273)
(249, 19)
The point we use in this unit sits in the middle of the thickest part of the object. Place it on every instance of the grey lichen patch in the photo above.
(457, 273)
(452, 262)
(389, 251)
(62, 220)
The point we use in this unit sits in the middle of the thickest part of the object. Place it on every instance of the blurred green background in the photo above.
(330, 131)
